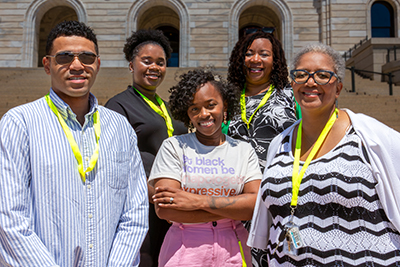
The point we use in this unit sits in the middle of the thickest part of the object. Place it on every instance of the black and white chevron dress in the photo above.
(339, 214)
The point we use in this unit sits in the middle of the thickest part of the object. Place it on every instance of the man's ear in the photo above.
(46, 64)
(98, 64)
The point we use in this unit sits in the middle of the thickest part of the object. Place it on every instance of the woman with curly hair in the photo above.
(258, 67)
(205, 181)
(147, 52)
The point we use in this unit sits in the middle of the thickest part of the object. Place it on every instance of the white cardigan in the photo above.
(383, 147)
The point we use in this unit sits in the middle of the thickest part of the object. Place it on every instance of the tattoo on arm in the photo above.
(222, 202)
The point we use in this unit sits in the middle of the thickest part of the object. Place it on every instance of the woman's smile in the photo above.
(206, 114)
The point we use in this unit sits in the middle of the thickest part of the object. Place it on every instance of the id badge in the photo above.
(293, 239)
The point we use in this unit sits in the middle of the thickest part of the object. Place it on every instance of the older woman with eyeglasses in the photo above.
(329, 195)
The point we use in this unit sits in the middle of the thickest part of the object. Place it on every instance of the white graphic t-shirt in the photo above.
(219, 171)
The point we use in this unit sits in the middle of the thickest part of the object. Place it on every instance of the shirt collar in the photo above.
(66, 111)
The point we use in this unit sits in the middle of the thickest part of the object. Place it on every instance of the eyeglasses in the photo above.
(66, 57)
(263, 29)
(321, 77)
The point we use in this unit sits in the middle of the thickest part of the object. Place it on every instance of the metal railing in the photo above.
(353, 83)
(394, 49)
(347, 54)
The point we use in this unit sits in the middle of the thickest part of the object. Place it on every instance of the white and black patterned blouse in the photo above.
(270, 120)
(339, 213)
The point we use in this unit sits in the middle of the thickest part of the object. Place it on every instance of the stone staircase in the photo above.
(22, 85)
(372, 98)
(365, 86)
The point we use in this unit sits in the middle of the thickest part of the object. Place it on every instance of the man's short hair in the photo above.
(71, 28)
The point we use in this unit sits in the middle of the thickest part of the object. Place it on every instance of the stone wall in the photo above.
(208, 29)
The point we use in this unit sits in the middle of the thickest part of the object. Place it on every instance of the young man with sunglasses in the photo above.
(73, 190)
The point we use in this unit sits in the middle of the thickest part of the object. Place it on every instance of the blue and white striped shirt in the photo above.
(48, 216)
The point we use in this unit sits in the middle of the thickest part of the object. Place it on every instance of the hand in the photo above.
(173, 198)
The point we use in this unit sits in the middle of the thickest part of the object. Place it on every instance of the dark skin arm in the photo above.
(191, 208)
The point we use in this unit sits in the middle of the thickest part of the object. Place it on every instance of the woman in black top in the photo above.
(147, 52)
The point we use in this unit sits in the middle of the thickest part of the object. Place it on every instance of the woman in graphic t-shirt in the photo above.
(206, 182)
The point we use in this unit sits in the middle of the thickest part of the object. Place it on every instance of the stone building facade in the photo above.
(203, 32)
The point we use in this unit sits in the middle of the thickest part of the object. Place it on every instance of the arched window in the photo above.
(253, 28)
(173, 37)
(167, 20)
(382, 19)
(50, 19)
(255, 13)
(259, 17)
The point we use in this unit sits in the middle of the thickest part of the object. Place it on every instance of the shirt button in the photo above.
(90, 216)
(91, 246)
(88, 186)
(86, 158)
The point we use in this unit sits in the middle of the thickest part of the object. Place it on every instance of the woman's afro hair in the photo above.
(140, 38)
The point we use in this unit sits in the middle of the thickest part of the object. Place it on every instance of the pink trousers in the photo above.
(205, 245)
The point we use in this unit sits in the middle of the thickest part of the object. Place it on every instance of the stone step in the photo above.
(383, 108)
(22, 85)
(367, 87)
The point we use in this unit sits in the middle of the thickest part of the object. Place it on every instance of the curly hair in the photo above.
(279, 73)
(182, 94)
(141, 38)
(71, 28)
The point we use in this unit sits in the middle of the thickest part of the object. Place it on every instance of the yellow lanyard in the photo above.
(71, 140)
(163, 112)
(243, 104)
(296, 176)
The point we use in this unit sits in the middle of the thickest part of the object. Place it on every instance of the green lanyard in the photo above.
(163, 112)
(296, 176)
(243, 104)
(71, 140)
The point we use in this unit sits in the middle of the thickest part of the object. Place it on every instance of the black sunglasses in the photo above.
(263, 29)
(66, 57)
